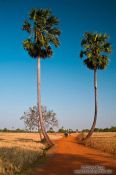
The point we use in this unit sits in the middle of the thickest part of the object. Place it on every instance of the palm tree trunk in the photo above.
(39, 106)
(96, 107)
(39, 131)
(40, 135)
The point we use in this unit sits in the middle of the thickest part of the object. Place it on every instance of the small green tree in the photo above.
(95, 52)
(62, 130)
(5, 130)
(43, 31)
(51, 130)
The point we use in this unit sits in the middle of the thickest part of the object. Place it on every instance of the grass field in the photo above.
(20, 150)
(104, 141)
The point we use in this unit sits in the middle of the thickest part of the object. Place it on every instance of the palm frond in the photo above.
(44, 30)
(26, 26)
(94, 45)
(55, 31)
(55, 41)
(52, 20)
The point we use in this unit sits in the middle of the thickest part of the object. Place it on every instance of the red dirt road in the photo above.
(67, 158)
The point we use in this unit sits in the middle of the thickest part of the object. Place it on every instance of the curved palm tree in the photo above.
(43, 31)
(95, 52)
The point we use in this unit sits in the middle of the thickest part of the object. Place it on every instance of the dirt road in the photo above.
(67, 158)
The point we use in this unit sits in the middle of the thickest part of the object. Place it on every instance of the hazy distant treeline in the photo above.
(62, 130)
(12, 130)
(111, 129)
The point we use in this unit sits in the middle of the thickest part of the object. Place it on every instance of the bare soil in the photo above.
(67, 157)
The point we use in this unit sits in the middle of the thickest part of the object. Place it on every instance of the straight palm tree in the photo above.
(95, 52)
(42, 29)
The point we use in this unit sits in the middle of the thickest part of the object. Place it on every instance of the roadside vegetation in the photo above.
(19, 151)
(104, 141)
(24, 148)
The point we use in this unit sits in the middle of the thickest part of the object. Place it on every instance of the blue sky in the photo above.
(66, 83)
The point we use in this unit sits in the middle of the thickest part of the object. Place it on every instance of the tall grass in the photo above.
(19, 151)
(102, 141)
(15, 160)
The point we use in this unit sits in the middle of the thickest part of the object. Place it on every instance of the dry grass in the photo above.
(104, 141)
(20, 150)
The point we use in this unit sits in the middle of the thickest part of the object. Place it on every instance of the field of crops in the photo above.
(20, 150)
(104, 141)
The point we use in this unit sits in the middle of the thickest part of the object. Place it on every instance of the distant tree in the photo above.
(95, 51)
(43, 32)
(5, 130)
(105, 129)
(31, 119)
(70, 131)
(77, 130)
(96, 129)
(18, 130)
(61, 130)
(85, 130)
(51, 130)
(113, 129)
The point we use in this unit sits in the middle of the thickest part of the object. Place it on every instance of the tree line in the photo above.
(61, 130)
(17, 130)
(111, 129)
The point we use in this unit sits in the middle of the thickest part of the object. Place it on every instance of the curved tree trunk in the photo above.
(40, 134)
(39, 106)
(39, 131)
(96, 107)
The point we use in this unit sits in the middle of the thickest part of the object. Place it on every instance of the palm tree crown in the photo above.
(96, 47)
(43, 31)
